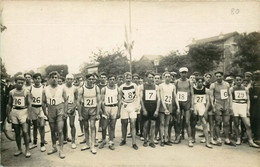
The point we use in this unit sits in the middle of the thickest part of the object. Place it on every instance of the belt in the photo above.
(240, 102)
(19, 108)
(111, 105)
(36, 106)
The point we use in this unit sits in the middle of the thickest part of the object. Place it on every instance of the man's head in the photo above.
(199, 81)
(167, 77)
(111, 80)
(229, 80)
(196, 73)
(157, 79)
(53, 78)
(183, 72)
(19, 81)
(173, 75)
(103, 77)
(69, 79)
(192, 78)
(207, 77)
(28, 77)
(248, 76)
(120, 80)
(44, 82)
(90, 78)
(128, 77)
(37, 78)
(149, 77)
(238, 80)
(136, 78)
(219, 76)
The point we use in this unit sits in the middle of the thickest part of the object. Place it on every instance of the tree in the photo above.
(205, 57)
(140, 67)
(61, 69)
(173, 61)
(114, 62)
(3, 70)
(248, 55)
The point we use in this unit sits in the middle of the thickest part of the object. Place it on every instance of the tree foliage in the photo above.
(140, 67)
(61, 69)
(248, 55)
(205, 57)
(3, 70)
(114, 62)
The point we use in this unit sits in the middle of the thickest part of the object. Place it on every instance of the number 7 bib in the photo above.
(150, 95)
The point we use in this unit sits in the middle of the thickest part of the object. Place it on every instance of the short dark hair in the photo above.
(119, 76)
(136, 75)
(27, 73)
(219, 72)
(239, 75)
(208, 74)
(110, 76)
(19, 77)
(90, 75)
(199, 78)
(149, 72)
(37, 75)
(127, 74)
(157, 74)
(103, 73)
(54, 73)
(166, 73)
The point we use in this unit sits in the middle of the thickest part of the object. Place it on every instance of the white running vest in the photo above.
(111, 96)
(54, 95)
(37, 95)
(168, 90)
(70, 93)
(90, 96)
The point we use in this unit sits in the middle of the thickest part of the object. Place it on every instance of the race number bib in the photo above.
(223, 94)
(52, 101)
(19, 102)
(200, 99)
(90, 102)
(182, 96)
(110, 100)
(150, 95)
(129, 94)
(37, 100)
(168, 99)
(240, 94)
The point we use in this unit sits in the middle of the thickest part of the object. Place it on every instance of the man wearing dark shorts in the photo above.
(150, 101)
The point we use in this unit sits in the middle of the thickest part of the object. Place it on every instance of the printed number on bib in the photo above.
(200, 99)
(182, 96)
(36, 100)
(223, 94)
(168, 99)
(52, 101)
(19, 101)
(150, 95)
(111, 100)
(240, 94)
(90, 102)
(129, 95)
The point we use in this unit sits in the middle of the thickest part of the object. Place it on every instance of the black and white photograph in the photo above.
(130, 83)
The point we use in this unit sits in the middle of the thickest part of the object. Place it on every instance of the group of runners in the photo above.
(153, 106)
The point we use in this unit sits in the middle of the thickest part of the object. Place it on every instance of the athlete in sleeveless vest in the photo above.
(167, 95)
(150, 101)
(241, 107)
(72, 97)
(128, 107)
(89, 110)
(110, 111)
(55, 99)
(221, 101)
(18, 107)
(101, 84)
(185, 98)
(37, 115)
(201, 101)
(28, 87)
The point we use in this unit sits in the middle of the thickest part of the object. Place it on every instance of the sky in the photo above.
(68, 32)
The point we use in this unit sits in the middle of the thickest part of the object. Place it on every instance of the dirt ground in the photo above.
(177, 155)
